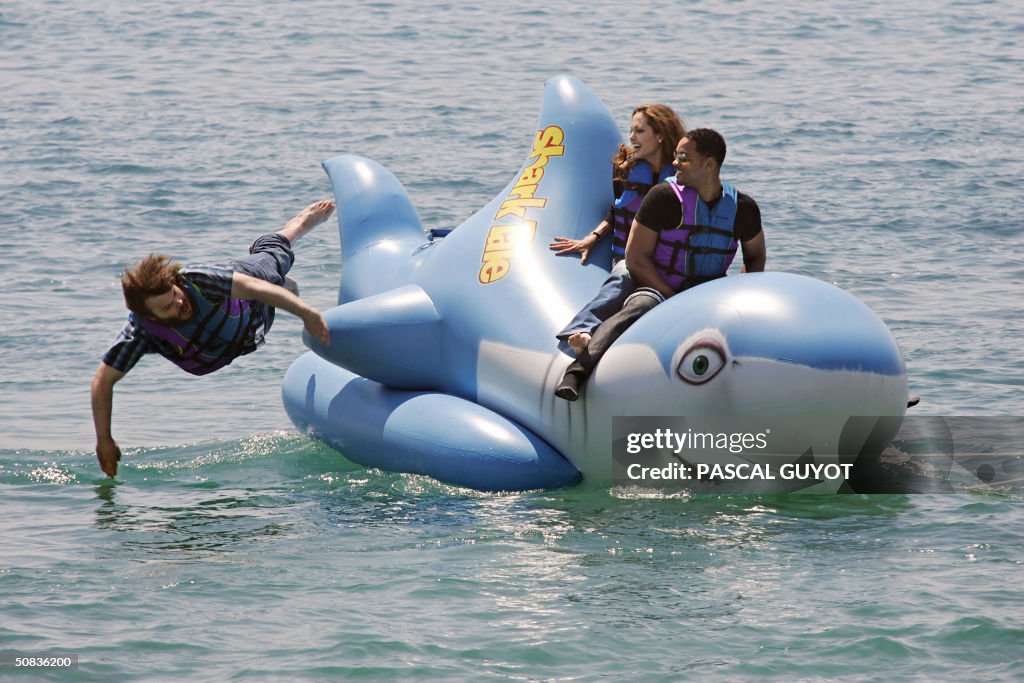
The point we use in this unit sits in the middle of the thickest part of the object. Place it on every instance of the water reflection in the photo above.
(189, 525)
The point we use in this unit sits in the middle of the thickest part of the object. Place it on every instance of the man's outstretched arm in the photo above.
(107, 451)
(254, 289)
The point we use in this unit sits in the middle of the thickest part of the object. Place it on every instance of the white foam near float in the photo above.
(443, 359)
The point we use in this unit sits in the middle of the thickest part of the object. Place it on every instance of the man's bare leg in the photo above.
(307, 219)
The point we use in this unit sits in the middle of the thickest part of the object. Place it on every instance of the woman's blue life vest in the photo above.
(702, 247)
(215, 336)
(629, 194)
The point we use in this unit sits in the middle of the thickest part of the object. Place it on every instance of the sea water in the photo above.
(882, 142)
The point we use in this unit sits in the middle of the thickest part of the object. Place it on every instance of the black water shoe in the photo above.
(569, 387)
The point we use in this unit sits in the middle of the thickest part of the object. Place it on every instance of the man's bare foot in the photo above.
(307, 219)
(579, 342)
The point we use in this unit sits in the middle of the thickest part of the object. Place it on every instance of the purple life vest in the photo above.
(629, 194)
(215, 336)
(702, 247)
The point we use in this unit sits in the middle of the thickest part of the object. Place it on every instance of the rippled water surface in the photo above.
(882, 142)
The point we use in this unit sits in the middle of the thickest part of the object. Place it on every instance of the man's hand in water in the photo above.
(108, 453)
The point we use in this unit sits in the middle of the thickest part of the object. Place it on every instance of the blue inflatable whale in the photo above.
(443, 359)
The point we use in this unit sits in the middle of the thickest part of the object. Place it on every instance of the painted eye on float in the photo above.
(701, 363)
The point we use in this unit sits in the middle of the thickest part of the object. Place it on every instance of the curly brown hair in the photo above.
(666, 124)
(152, 276)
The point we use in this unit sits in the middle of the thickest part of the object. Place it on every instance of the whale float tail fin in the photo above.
(378, 226)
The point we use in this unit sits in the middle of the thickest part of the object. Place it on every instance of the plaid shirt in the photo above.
(215, 283)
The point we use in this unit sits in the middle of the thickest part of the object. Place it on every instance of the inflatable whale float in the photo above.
(443, 359)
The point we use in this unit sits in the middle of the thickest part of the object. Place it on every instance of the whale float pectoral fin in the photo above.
(434, 434)
(393, 338)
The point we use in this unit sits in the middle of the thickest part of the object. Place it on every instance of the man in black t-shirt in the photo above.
(658, 272)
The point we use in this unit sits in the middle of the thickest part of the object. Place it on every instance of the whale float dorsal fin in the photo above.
(378, 226)
(393, 338)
